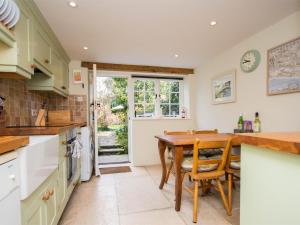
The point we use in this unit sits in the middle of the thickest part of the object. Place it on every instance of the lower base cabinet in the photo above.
(46, 205)
(40, 207)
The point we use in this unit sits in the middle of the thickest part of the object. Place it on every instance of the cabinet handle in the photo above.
(46, 196)
(46, 61)
(51, 192)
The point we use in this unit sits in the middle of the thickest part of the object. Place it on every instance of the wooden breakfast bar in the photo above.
(270, 184)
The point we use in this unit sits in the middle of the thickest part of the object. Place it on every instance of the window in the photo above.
(144, 98)
(169, 98)
(161, 97)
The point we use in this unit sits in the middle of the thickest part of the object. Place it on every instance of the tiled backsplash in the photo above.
(20, 102)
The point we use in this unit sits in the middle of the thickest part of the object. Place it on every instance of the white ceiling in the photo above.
(150, 32)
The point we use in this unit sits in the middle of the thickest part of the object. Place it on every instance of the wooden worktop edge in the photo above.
(273, 144)
(10, 143)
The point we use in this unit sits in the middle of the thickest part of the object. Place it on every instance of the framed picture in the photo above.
(284, 68)
(77, 79)
(223, 88)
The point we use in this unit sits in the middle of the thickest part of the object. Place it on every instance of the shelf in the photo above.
(7, 36)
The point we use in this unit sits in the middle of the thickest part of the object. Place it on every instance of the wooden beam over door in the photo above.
(137, 68)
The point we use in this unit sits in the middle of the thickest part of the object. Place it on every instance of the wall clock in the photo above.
(250, 61)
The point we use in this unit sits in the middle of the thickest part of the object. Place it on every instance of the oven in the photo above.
(71, 162)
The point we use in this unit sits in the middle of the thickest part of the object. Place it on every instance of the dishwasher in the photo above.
(10, 206)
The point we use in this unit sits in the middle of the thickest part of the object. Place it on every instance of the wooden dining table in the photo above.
(179, 144)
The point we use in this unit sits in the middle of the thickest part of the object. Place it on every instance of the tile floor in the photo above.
(134, 199)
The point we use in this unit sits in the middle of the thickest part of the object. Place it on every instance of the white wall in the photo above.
(144, 145)
(278, 113)
(77, 89)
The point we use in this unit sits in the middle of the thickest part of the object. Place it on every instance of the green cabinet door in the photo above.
(36, 217)
(65, 77)
(23, 38)
(56, 66)
(51, 204)
(41, 50)
(61, 184)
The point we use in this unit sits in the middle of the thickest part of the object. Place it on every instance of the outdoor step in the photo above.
(112, 150)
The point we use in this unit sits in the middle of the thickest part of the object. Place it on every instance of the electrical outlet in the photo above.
(79, 98)
(33, 112)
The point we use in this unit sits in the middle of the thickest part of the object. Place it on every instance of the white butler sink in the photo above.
(37, 161)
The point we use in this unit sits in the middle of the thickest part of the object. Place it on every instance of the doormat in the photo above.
(110, 170)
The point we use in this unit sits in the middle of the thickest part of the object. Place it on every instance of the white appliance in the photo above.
(87, 154)
(38, 160)
(10, 208)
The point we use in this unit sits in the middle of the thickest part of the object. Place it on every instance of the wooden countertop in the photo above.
(9, 143)
(278, 141)
(52, 129)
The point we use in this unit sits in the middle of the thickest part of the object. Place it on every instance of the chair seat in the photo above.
(210, 152)
(187, 165)
(235, 165)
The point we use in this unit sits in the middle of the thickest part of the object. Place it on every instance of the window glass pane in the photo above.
(138, 85)
(164, 87)
(150, 96)
(164, 98)
(165, 109)
(174, 97)
(139, 110)
(174, 86)
(138, 97)
(149, 110)
(149, 85)
(174, 110)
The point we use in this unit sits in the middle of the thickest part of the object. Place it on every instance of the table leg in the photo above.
(162, 149)
(178, 152)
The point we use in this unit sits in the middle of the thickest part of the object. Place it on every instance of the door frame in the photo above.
(117, 74)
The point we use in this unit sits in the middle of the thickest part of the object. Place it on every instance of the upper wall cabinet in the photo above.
(35, 52)
(41, 50)
(23, 38)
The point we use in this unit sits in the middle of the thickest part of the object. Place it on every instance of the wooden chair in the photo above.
(208, 152)
(233, 167)
(208, 169)
(170, 156)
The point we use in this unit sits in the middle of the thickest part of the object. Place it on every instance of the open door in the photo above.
(95, 112)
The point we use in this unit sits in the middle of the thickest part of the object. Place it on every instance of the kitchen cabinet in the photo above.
(23, 38)
(33, 51)
(41, 50)
(16, 60)
(46, 204)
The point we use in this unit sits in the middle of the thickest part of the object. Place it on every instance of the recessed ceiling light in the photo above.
(213, 23)
(85, 48)
(176, 55)
(72, 4)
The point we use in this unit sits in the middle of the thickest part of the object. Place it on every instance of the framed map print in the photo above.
(284, 68)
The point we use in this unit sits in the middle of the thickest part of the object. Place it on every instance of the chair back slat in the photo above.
(226, 145)
(178, 132)
(214, 131)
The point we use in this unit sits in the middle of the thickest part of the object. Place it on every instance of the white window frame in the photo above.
(157, 110)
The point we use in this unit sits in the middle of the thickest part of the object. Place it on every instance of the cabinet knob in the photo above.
(46, 196)
(33, 66)
(47, 61)
(63, 87)
(64, 143)
(12, 177)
